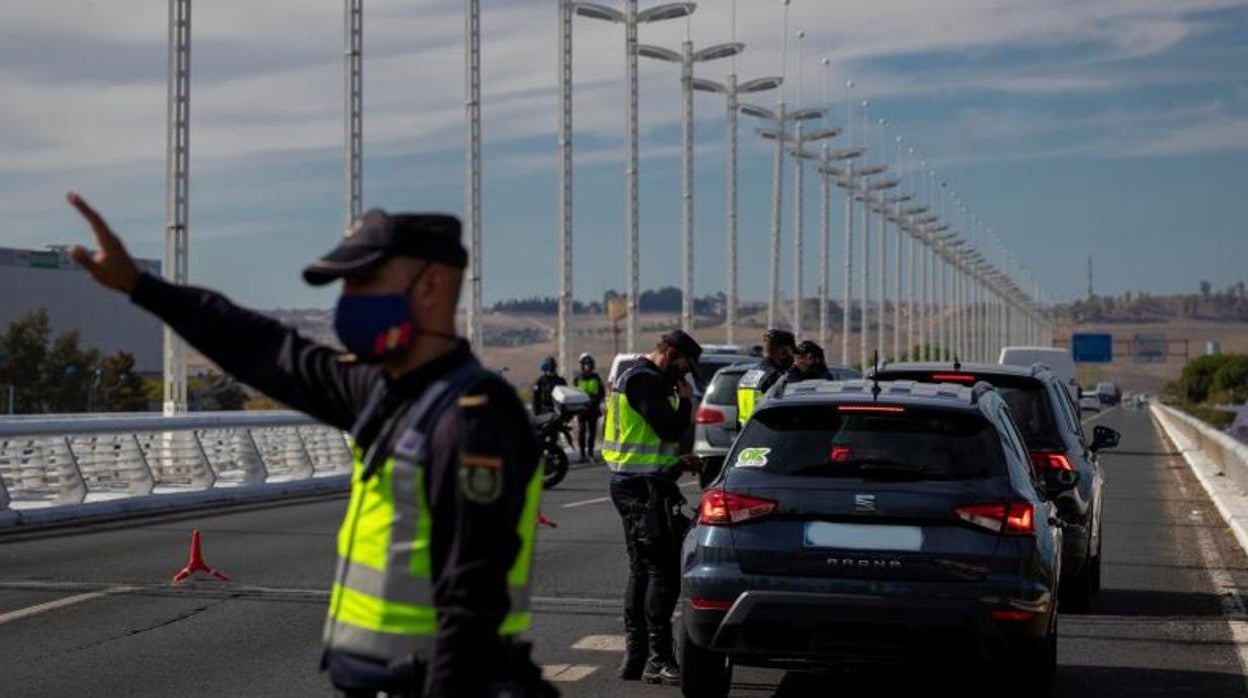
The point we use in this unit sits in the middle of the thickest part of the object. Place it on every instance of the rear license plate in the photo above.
(820, 534)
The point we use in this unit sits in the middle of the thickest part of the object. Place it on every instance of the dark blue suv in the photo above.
(1049, 422)
(862, 522)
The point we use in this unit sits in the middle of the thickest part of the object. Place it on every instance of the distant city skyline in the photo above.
(1111, 128)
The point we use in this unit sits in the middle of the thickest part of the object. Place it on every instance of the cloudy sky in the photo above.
(1111, 128)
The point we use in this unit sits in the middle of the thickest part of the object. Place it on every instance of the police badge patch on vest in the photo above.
(480, 478)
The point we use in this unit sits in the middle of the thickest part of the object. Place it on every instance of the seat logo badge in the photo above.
(864, 503)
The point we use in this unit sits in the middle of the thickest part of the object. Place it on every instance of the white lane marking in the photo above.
(1098, 415)
(584, 502)
(1234, 610)
(602, 500)
(600, 643)
(567, 673)
(60, 603)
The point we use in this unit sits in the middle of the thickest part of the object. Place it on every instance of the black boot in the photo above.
(661, 666)
(634, 656)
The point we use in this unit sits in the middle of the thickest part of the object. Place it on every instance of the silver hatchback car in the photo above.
(715, 421)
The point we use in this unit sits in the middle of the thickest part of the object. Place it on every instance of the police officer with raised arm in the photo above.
(778, 348)
(648, 410)
(432, 588)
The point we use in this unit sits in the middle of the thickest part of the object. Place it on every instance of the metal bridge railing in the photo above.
(71, 459)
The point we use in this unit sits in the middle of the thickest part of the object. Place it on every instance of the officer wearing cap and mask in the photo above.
(808, 364)
(648, 410)
(434, 554)
(778, 348)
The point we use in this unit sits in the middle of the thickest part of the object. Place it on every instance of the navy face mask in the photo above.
(377, 327)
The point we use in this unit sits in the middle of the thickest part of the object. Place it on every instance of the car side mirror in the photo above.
(1104, 437)
(1059, 481)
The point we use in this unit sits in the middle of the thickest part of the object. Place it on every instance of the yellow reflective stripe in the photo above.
(515, 623)
(369, 518)
(379, 615)
(518, 575)
(746, 398)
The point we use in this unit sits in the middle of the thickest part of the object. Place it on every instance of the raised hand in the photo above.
(111, 265)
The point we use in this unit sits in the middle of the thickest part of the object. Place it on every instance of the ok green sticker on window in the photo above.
(752, 457)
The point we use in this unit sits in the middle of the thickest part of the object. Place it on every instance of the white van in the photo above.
(1059, 361)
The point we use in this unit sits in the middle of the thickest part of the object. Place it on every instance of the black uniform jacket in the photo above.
(474, 538)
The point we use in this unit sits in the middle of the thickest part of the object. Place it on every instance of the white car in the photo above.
(1059, 361)
(1090, 403)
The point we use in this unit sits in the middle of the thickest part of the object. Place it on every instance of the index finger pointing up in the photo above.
(103, 234)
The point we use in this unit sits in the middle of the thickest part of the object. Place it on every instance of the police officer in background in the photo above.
(434, 554)
(544, 387)
(808, 364)
(590, 383)
(778, 350)
(648, 411)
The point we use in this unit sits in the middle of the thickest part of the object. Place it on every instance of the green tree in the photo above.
(118, 387)
(24, 346)
(215, 392)
(67, 374)
(1205, 289)
(1196, 380)
(1230, 381)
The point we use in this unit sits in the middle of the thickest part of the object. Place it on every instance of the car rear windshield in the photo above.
(723, 388)
(1028, 401)
(910, 444)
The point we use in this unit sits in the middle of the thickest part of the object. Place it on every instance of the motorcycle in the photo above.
(553, 426)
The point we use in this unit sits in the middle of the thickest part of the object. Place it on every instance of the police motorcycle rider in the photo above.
(544, 387)
(648, 410)
(590, 383)
(808, 364)
(778, 350)
(434, 553)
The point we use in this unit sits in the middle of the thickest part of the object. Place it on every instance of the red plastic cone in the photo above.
(196, 563)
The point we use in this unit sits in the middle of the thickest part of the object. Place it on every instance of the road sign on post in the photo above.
(1150, 348)
(1089, 348)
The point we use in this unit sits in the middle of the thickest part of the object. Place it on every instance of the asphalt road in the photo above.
(90, 611)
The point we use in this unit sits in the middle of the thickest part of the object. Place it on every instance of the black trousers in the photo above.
(653, 556)
(588, 433)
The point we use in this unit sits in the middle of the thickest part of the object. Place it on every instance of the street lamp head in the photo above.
(673, 10)
(872, 170)
(595, 11)
(806, 114)
(711, 53)
(760, 84)
(846, 154)
(660, 53)
(829, 132)
(770, 134)
(708, 86)
(831, 171)
(757, 111)
(806, 154)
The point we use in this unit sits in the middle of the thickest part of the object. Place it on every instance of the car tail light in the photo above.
(720, 508)
(1050, 460)
(881, 409)
(953, 377)
(839, 454)
(1013, 616)
(1013, 518)
(711, 604)
(707, 415)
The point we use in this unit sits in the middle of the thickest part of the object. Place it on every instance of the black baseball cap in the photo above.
(379, 236)
(683, 343)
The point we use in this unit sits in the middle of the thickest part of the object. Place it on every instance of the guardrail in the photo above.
(1227, 456)
(60, 460)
